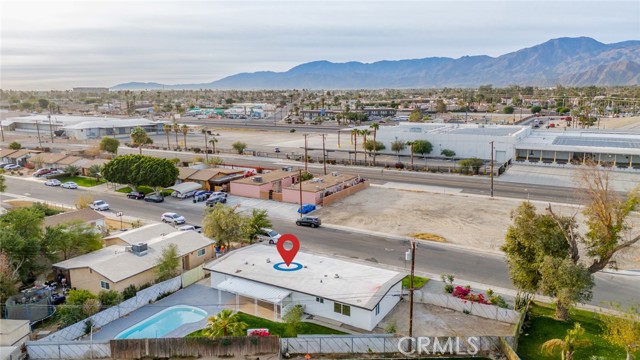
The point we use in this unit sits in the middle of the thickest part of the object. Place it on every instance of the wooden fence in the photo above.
(200, 347)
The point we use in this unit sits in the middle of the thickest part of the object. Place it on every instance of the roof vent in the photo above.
(268, 261)
(336, 276)
(257, 179)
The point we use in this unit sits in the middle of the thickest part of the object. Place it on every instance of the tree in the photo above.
(416, 115)
(565, 281)
(373, 146)
(117, 170)
(508, 110)
(7, 282)
(568, 345)
(536, 109)
(259, 219)
(410, 145)
(448, 153)
(224, 224)
(226, 323)
(15, 145)
(168, 264)
(239, 146)
(176, 130)
(398, 146)
(441, 107)
(72, 170)
(623, 330)
(83, 201)
(72, 311)
(354, 136)
(109, 145)
(20, 235)
(65, 241)
(213, 142)
(422, 147)
(167, 131)
(185, 130)
(375, 126)
(293, 318)
(94, 171)
(139, 137)
(136, 170)
(109, 297)
(473, 164)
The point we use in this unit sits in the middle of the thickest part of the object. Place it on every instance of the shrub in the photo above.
(399, 165)
(88, 325)
(129, 292)
(196, 150)
(239, 146)
(259, 332)
(109, 298)
(448, 288)
(15, 145)
(292, 130)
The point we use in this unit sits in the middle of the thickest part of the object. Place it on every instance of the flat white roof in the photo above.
(80, 122)
(253, 289)
(582, 141)
(358, 285)
(186, 187)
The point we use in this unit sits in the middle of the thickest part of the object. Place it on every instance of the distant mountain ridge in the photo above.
(580, 61)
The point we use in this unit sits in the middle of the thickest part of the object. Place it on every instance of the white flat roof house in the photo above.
(345, 292)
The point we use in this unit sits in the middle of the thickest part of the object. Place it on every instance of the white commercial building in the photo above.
(326, 287)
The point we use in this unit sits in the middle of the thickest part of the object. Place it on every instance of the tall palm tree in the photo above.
(213, 142)
(411, 143)
(354, 134)
(375, 127)
(226, 323)
(568, 345)
(176, 130)
(167, 131)
(140, 137)
(185, 131)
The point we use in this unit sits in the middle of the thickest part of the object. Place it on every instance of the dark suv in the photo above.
(309, 221)
(135, 195)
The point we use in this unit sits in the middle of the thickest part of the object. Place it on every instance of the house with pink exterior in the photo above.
(323, 190)
(268, 185)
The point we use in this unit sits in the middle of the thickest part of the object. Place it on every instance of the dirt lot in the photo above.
(472, 221)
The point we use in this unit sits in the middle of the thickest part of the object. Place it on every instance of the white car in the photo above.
(173, 218)
(53, 182)
(12, 167)
(269, 235)
(69, 185)
(99, 205)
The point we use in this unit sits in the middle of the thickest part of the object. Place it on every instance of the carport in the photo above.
(185, 187)
(258, 292)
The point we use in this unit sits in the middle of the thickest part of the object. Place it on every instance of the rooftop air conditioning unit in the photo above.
(257, 179)
(140, 249)
(128, 248)
(336, 276)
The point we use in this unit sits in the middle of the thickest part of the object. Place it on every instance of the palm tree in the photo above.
(398, 146)
(185, 131)
(94, 171)
(375, 127)
(354, 134)
(259, 219)
(568, 345)
(224, 324)
(140, 137)
(167, 131)
(213, 142)
(411, 143)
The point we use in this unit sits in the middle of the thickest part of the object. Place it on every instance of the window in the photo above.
(378, 309)
(320, 300)
(104, 285)
(342, 309)
(201, 252)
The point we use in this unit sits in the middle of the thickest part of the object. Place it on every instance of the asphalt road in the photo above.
(431, 259)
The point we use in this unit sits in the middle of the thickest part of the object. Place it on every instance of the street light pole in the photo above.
(300, 180)
(305, 151)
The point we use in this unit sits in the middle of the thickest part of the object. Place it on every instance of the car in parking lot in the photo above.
(173, 218)
(156, 198)
(52, 182)
(312, 221)
(269, 235)
(69, 185)
(12, 167)
(306, 208)
(135, 195)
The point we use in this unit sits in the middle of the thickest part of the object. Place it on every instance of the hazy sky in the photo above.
(61, 44)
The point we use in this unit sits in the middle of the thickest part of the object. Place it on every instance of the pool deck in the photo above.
(200, 295)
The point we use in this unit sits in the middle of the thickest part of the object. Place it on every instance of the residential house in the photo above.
(215, 178)
(116, 267)
(85, 164)
(69, 160)
(323, 190)
(4, 155)
(47, 160)
(19, 157)
(351, 293)
(267, 185)
(86, 216)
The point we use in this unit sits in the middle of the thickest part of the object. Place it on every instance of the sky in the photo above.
(58, 45)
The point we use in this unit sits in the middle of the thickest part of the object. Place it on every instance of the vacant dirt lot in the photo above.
(473, 221)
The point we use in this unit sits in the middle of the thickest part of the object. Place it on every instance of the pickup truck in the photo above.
(195, 228)
(99, 205)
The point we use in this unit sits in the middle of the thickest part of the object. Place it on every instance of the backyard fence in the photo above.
(486, 311)
(143, 297)
(40, 350)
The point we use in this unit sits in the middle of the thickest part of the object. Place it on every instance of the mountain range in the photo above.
(580, 61)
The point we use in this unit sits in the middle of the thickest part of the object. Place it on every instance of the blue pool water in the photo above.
(163, 322)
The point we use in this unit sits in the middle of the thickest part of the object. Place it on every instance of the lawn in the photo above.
(277, 328)
(541, 326)
(82, 180)
(418, 282)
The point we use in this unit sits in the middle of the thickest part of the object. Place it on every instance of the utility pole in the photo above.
(1, 130)
(38, 130)
(491, 169)
(206, 146)
(50, 126)
(305, 151)
(413, 263)
(300, 180)
(324, 155)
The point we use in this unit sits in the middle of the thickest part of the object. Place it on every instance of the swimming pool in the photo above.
(163, 322)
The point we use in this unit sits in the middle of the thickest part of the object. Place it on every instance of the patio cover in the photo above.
(254, 290)
(186, 187)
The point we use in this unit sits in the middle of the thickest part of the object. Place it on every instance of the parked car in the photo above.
(186, 195)
(195, 228)
(42, 172)
(135, 195)
(12, 167)
(312, 221)
(2, 165)
(69, 185)
(173, 218)
(269, 235)
(99, 205)
(202, 195)
(211, 201)
(156, 198)
(53, 182)
(54, 172)
(306, 208)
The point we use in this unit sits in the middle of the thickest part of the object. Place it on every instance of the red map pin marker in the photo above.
(288, 255)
